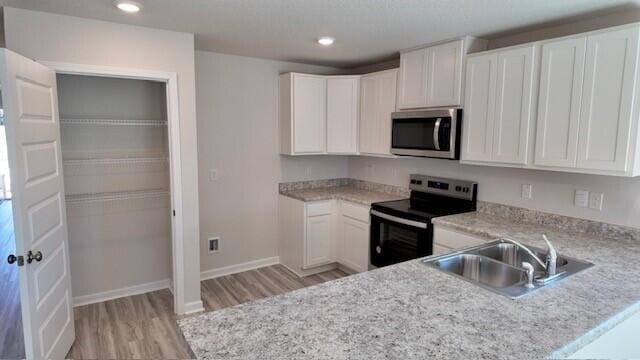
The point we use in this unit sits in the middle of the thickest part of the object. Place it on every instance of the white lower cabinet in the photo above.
(317, 236)
(353, 236)
(318, 244)
(446, 240)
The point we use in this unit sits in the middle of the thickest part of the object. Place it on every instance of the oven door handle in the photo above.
(398, 220)
(436, 134)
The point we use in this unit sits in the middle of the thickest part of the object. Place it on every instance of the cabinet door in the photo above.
(385, 105)
(354, 249)
(309, 113)
(561, 76)
(343, 98)
(318, 247)
(412, 90)
(444, 74)
(479, 107)
(377, 102)
(368, 118)
(514, 105)
(607, 100)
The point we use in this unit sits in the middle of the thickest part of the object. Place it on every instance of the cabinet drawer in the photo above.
(319, 208)
(455, 240)
(355, 211)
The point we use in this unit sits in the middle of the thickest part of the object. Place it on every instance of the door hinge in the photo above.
(174, 213)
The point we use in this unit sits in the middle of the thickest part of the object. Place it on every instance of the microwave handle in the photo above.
(399, 220)
(436, 134)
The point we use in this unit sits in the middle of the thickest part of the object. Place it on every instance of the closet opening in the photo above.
(116, 158)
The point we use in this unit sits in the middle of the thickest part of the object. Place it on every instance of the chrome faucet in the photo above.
(551, 260)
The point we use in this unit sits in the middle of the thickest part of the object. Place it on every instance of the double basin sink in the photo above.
(497, 266)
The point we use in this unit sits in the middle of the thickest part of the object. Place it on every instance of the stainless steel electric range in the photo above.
(401, 230)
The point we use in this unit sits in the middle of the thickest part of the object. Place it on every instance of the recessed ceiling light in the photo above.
(128, 6)
(326, 40)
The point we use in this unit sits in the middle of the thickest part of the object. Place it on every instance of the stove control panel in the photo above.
(447, 187)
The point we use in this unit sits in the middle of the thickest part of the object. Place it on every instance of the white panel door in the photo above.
(514, 105)
(560, 96)
(319, 249)
(354, 250)
(444, 74)
(386, 104)
(309, 113)
(479, 107)
(343, 101)
(607, 100)
(30, 105)
(412, 87)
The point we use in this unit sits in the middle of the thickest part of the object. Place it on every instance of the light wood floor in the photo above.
(143, 326)
(11, 338)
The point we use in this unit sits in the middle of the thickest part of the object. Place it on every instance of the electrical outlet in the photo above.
(581, 198)
(214, 244)
(526, 191)
(595, 201)
(213, 174)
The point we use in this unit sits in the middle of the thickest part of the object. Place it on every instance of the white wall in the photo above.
(50, 37)
(237, 103)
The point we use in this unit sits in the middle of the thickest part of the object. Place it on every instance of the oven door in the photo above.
(432, 133)
(395, 239)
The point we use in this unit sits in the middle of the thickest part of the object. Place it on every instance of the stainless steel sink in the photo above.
(514, 255)
(497, 266)
(481, 269)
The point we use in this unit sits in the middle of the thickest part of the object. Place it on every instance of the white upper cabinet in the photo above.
(588, 108)
(377, 102)
(561, 77)
(343, 102)
(608, 97)
(303, 102)
(479, 107)
(319, 114)
(499, 106)
(412, 89)
(444, 74)
(432, 76)
(515, 95)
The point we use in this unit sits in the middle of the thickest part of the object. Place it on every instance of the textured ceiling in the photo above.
(366, 31)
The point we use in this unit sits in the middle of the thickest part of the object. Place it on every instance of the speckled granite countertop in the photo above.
(411, 311)
(348, 192)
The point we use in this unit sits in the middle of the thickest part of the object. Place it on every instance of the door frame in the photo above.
(175, 163)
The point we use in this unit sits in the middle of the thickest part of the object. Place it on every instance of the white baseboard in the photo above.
(117, 293)
(193, 307)
(233, 269)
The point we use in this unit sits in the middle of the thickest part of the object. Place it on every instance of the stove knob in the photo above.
(378, 249)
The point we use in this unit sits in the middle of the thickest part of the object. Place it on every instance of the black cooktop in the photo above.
(424, 207)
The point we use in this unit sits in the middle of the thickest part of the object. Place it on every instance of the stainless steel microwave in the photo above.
(428, 133)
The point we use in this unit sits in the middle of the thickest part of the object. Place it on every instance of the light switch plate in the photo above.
(595, 201)
(526, 191)
(581, 198)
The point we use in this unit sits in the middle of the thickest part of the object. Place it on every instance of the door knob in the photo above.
(12, 259)
(31, 256)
